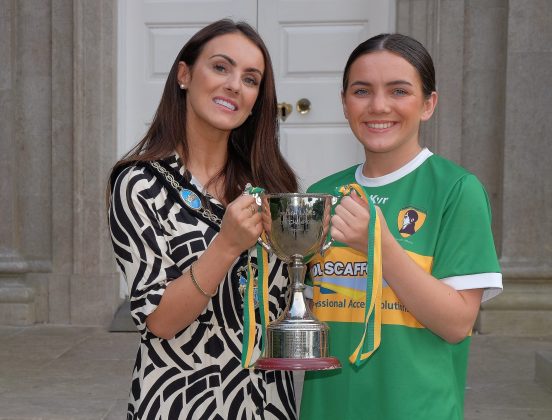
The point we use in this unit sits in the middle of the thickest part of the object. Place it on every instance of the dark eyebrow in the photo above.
(391, 83)
(233, 63)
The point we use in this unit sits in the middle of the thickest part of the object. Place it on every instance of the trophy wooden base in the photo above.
(281, 363)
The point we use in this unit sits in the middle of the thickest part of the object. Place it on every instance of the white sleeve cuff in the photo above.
(491, 282)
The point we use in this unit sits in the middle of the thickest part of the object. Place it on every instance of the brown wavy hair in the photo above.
(253, 148)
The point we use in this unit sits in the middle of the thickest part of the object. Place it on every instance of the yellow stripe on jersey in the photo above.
(394, 312)
(347, 304)
(422, 260)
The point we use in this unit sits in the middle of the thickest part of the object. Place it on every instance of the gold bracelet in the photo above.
(196, 284)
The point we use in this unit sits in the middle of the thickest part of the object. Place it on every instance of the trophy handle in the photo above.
(330, 242)
(257, 192)
(265, 245)
(327, 246)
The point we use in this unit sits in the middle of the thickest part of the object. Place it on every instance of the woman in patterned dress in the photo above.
(185, 255)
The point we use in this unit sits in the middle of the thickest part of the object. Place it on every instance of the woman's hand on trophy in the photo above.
(241, 225)
(350, 222)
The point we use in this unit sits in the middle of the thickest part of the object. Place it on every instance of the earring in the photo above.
(182, 86)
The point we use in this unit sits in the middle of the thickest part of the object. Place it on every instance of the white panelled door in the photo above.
(309, 42)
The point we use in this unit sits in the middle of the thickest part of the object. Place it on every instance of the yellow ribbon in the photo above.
(371, 336)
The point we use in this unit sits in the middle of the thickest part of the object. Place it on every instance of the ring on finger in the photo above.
(252, 209)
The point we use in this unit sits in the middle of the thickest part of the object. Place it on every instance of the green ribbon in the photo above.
(249, 322)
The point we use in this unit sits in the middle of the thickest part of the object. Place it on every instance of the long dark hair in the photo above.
(253, 148)
(403, 45)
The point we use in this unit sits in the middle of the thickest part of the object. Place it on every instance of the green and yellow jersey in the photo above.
(440, 215)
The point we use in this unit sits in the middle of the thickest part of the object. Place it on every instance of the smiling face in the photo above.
(384, 105)
(223, 84)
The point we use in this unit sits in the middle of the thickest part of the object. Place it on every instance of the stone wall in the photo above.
(492, 60)
(58, 141)
(526, 202)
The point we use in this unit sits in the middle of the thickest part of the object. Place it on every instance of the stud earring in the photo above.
(182, 86)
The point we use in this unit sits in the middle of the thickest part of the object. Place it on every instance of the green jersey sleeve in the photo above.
(465, 242)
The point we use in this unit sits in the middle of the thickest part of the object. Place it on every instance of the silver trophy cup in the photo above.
(295, 227)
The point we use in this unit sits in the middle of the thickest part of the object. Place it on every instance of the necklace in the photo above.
(189, 198)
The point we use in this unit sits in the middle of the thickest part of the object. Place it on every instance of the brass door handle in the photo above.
(303, 106)
(284, 109)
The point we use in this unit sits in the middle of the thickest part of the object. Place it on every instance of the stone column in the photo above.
(424, 20)
(492, 60)
(526, 246)
(94, 283)
(25, 161)
(57, 129)
(483, 98)
(59, 290)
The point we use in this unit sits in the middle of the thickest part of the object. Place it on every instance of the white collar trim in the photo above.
(395, 175)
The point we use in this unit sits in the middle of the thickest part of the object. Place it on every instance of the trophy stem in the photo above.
(297, 340)
(297, 308)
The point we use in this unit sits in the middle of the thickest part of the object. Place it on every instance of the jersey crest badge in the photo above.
(409, 221)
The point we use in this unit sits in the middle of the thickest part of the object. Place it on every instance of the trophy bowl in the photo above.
(295, 227)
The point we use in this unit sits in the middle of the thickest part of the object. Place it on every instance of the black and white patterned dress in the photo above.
(197, 374)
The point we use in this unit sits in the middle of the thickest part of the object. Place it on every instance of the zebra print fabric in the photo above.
(197, 374)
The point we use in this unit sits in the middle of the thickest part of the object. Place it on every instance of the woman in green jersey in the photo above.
(436, 252)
